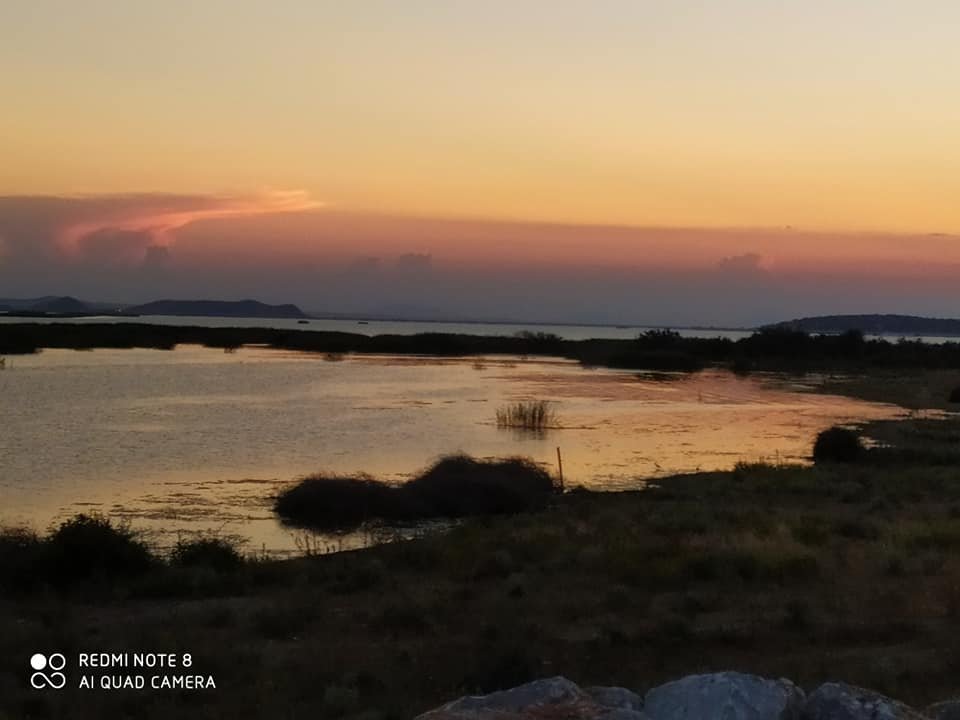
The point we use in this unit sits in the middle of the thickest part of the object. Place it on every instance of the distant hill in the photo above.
(217, 308)
(874, 324)
(60, 305)
(53, 304)
(24, 303)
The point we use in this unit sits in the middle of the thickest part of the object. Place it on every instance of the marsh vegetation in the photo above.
(536, 415)
(453, 487)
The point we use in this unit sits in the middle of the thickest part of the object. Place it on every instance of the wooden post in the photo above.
(560, 466)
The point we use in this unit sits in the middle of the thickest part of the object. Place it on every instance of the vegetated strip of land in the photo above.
(816, 573)
(453, 487)
(767, 349)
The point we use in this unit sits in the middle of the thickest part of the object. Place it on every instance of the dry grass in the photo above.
(921, 389)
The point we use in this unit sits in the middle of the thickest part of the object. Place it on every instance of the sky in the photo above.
(727, 162)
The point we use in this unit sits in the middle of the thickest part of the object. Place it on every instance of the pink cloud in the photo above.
(160, 216)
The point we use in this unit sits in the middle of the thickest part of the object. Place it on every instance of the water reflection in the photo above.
(200, 439)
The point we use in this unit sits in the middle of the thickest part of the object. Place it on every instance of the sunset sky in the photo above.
(620, 160)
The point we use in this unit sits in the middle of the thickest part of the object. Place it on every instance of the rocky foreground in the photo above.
(718, 696)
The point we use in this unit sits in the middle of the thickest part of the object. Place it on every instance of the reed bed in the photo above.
(527, 415)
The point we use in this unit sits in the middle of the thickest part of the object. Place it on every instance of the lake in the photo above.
(199, 439)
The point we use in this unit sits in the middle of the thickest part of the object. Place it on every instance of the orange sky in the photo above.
(743, 113)
(790, 137)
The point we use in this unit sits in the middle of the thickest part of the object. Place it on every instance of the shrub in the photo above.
(334, 502)
(663, 360)
(455, 486)
(216, 553)
(955, 395)
(540, 342)
(91, 546)
(459, 485)
(20, 557)
(838, 444)
(528, 415)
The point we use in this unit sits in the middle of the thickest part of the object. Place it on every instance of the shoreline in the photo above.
(768, 349)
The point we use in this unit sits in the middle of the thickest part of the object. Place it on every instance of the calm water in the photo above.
(197, 438)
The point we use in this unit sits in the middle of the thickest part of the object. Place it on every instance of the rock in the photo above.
(617, 697)
(550, 699)
(724, 696)
(838, 701)
(946, 710)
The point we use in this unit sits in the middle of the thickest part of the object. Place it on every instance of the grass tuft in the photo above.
(527, 415)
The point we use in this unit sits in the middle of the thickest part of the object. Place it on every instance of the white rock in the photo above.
(538, 693)
(839, 701)
(724, 696)
(554, 697)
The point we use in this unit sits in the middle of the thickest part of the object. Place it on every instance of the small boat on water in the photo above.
(302, 322)
(362, 322)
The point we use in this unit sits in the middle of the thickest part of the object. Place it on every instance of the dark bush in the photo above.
(455, 486)
(210, 552)
(541, 342)
(20, 559)
(955, 395)
(664, 360)
(335, 502)
(459, 485)
(90, 546)
(838, 444)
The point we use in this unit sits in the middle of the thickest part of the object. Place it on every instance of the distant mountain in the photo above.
(58, 305)
(874, 324)
(217, 308)
(53, 304)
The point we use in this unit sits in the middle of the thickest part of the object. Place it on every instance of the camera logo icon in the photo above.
(52, 663)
